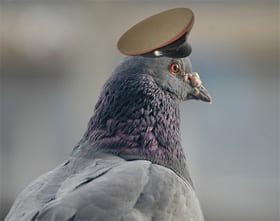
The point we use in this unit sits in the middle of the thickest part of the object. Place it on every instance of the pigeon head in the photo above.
(174, 76)
(163, 54)
(137, 115)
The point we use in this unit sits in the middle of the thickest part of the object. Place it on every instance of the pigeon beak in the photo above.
(198, 92)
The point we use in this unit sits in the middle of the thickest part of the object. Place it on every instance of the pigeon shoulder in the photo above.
(101, 191)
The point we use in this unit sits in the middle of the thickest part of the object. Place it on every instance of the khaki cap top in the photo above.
(155, 34)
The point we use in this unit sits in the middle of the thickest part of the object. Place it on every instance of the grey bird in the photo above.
(129, 164)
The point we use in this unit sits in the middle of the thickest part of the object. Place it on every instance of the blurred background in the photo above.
(56, 55)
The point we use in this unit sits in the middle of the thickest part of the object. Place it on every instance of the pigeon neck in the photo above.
(142, 123)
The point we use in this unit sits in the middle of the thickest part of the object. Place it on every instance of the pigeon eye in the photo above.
(174, 68)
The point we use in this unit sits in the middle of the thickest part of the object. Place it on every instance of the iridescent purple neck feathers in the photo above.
(135, 119)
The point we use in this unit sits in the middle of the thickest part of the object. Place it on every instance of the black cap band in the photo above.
(177, 49)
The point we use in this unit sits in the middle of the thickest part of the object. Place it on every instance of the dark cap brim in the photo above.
(152, 36)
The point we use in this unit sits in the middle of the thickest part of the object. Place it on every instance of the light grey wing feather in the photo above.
(106, 197)
(55, 211)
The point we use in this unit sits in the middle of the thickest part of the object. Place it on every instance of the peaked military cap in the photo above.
(163, 34)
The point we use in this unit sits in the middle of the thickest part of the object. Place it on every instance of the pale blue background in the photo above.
(56, 55)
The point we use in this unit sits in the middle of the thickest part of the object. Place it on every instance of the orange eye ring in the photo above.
(174, 68)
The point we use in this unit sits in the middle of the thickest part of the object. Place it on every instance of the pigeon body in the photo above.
(129, 165)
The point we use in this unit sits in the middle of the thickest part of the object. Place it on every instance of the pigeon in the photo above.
(129, 165)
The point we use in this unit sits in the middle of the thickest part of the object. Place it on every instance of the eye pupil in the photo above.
(174, 68)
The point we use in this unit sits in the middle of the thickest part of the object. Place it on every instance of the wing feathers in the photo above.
(110, 189)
